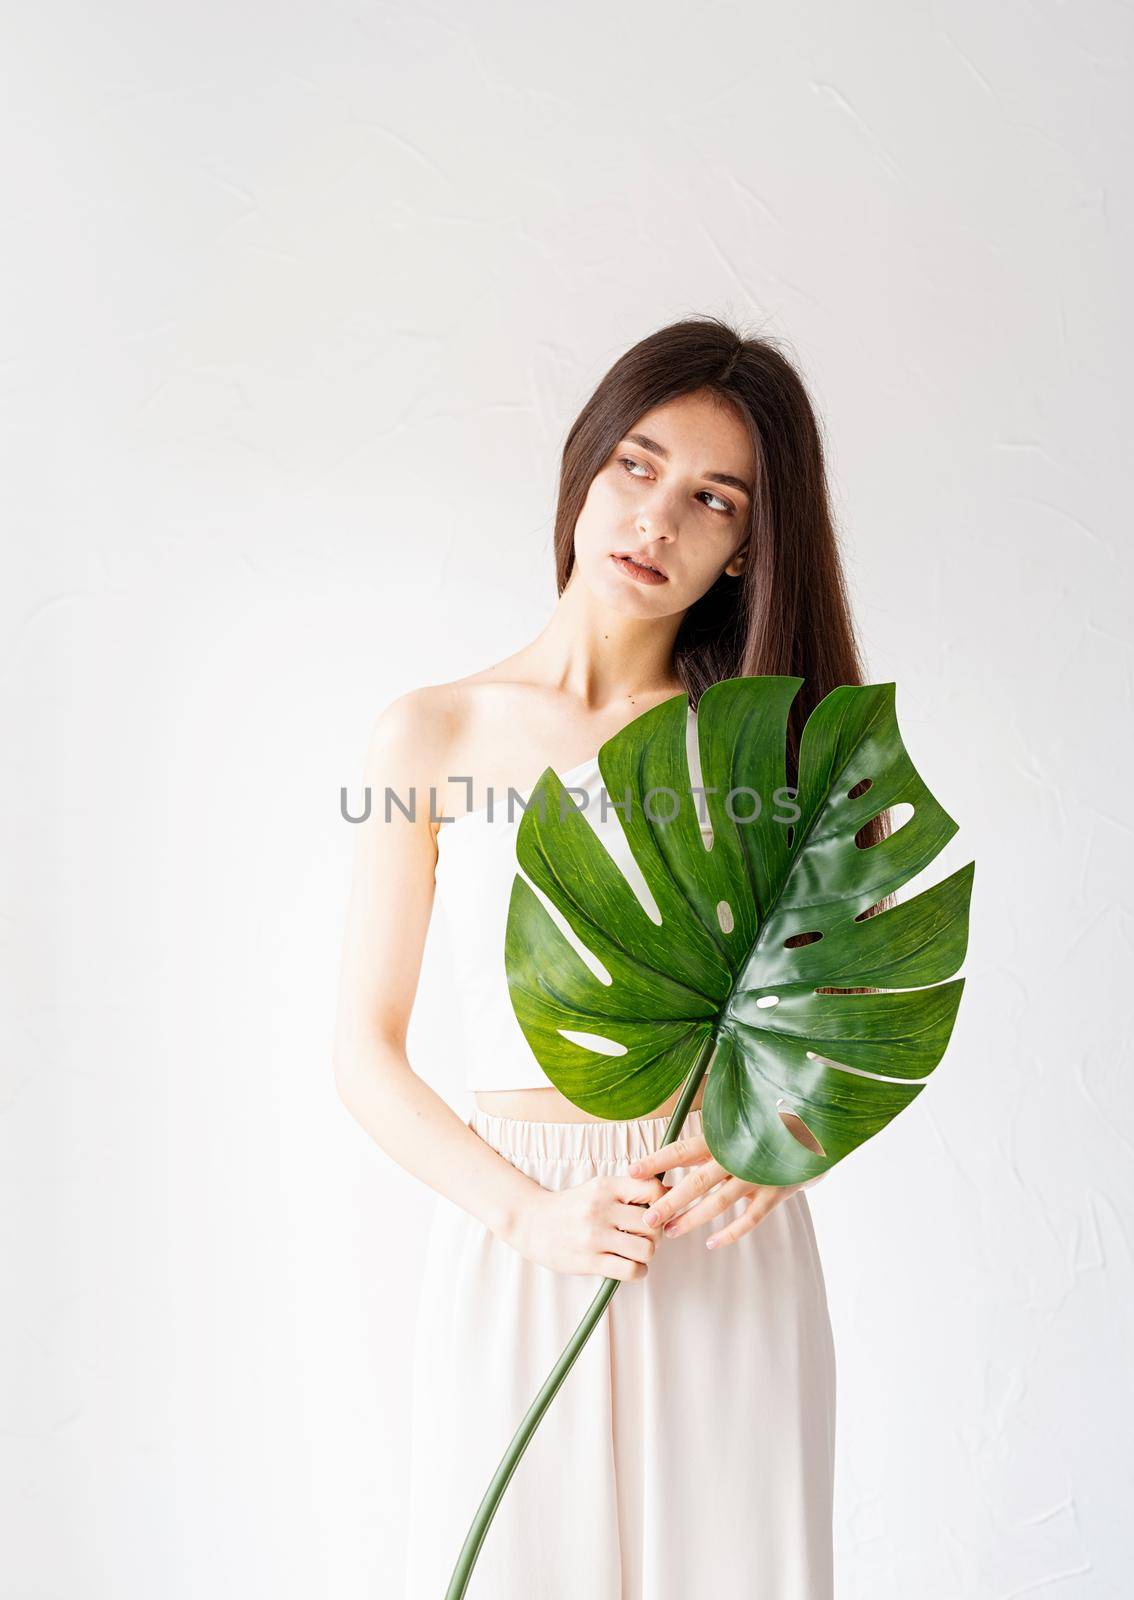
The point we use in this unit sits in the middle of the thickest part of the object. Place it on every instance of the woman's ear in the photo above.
(735, 566)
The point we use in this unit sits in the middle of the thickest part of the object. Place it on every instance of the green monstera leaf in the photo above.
(754, 933)
(748, 970)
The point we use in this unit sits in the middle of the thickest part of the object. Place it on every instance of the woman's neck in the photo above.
(603, 657)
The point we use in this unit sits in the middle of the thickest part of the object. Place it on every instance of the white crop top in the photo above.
(476, 864)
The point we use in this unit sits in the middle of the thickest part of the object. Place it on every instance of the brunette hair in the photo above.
(788, 612)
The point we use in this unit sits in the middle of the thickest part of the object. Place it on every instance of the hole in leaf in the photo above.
(860, 787)
(594, 1041)
(790, 834)
(798, 1129)
(724, 916)
(586, 956)
(798, 939)
(900, 814)
(767, 1000)
(869, 912)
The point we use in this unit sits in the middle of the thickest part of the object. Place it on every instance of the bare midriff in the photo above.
(548, 1105)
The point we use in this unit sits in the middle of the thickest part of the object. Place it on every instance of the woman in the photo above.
(690, 1449)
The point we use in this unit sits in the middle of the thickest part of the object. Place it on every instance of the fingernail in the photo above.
(651, 1217)
(635, 1168)
(710, 1244)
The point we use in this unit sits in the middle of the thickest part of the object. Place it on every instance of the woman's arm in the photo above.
(391, 901)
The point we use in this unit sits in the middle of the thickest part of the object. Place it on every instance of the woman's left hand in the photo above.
(696, 1186)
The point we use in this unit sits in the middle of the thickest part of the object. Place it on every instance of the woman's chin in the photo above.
(623, 594)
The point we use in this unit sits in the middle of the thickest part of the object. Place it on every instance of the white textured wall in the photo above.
(297, 306)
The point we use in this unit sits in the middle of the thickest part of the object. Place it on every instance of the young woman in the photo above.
(690, 1449)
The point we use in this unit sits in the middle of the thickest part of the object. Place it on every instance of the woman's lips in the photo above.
(639, 574)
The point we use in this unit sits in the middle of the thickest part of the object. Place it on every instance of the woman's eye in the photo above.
(628, 464)
(724, 504)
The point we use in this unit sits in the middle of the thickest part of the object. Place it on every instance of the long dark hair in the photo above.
(788, 612)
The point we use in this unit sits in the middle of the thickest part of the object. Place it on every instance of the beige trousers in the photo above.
(689, 1450)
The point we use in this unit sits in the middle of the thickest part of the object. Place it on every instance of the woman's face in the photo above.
(676, 493)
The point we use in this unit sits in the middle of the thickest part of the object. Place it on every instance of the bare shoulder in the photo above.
(495, 727)
(413, 740)
(423, 725)
(408, 740)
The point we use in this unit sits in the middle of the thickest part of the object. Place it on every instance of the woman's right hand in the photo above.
(594, 1228)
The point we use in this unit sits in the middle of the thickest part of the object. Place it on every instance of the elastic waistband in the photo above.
(581, 1142)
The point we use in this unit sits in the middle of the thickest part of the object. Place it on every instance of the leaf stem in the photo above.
(462, 1572)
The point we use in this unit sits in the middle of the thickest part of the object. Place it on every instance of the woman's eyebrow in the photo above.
(714, 477)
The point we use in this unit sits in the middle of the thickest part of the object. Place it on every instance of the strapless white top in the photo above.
(476, 865)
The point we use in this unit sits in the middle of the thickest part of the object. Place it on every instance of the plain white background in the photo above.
(298, 305)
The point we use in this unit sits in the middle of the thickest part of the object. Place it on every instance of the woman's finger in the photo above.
(725, 1195)
(764, 1201)
(632, 1219)
(691, 1187)
(624, 1242)
(639, 1190)
(678, 1153)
